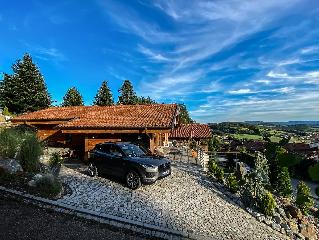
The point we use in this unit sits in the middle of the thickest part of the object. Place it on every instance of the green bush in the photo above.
(30, 152)
(6, 177)
(55, 159)
(9, 143)
(283, 185)
(48, 186)
(317, 191)
(6, 112)
(304, 200)
(216, 170)
(232, 183)
(267, 203)
(314, 172)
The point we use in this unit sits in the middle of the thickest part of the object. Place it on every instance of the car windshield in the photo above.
(132, 150)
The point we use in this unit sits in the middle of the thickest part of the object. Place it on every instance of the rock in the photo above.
(37, 177)
(10, 166)
(308, 231)
(293, 226)
(285, 226)
(281, 212)
(299, 236)
(293, 211)
(275, 226)
(277, 218)
(32, 183)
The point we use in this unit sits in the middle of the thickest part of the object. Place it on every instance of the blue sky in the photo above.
(227, 60)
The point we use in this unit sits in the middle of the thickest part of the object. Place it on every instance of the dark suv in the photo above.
(129, 162)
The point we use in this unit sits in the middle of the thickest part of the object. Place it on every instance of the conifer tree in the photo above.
(184, 115)
(146, 100)
(127, 94)
(283, 184)
(72, 98)
(25, 90)
(104, 96)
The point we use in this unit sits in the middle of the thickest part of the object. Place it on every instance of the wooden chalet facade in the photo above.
(82, 127)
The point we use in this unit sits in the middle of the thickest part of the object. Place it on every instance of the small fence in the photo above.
(188, 156)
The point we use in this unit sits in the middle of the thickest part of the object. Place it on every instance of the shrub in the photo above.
(283, 184)
(266, 203)
(6, 112)
(30, 152)
(55, 159)
(48, 186)
(9, 143)
(314, 172)
(304, 200)
(232, 183)
(5, 176)
(216, 170)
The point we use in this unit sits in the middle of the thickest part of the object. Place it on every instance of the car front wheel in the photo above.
(133, 180)
(92, 170)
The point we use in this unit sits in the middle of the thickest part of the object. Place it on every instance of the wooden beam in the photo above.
(97, 131)
(39, 123)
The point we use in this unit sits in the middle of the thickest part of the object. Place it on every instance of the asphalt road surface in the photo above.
(20, 220)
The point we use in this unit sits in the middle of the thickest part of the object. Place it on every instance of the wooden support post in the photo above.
(152, 142)
(86, 148)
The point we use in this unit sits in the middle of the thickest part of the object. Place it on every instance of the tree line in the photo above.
(25, 90)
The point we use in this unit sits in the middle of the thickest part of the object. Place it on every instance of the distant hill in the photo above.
(288, 123)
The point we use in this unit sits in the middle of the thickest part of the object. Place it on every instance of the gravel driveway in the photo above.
(184, 201)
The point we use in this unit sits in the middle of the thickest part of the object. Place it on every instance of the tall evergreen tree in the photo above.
(127, 94)
(25, 90)
(184, 115)
(145, 100)
(104, 96)
(72, 98)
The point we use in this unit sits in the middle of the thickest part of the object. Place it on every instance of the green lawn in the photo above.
(247, 136)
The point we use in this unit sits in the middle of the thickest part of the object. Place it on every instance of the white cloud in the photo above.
(241, 91)
(264, 81)
(310, 49)
(154, 56)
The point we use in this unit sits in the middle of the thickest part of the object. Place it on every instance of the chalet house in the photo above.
(185, 133)
(82, 127)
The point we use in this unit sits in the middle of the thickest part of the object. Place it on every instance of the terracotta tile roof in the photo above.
(118, 116)
(194, 130)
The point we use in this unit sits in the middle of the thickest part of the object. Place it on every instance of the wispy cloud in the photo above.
(46, 53)
(152, 55)
(227, 41)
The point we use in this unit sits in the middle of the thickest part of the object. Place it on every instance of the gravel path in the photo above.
(20, 220)
(184, 201)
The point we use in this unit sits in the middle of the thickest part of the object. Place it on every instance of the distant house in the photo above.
(83, 127)
(302, 148)
(185, 133)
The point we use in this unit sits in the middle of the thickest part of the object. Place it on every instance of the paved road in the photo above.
(184, 201)
(24, 221)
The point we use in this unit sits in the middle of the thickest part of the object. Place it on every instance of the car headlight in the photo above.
(150, 167)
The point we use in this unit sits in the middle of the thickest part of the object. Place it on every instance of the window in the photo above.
(115, 151)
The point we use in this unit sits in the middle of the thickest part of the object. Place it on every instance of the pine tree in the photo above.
(145, 100)
(104, 96)
(25, 90)
(283, 184)
(72, 98)
(127, 94)
(184, 115)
